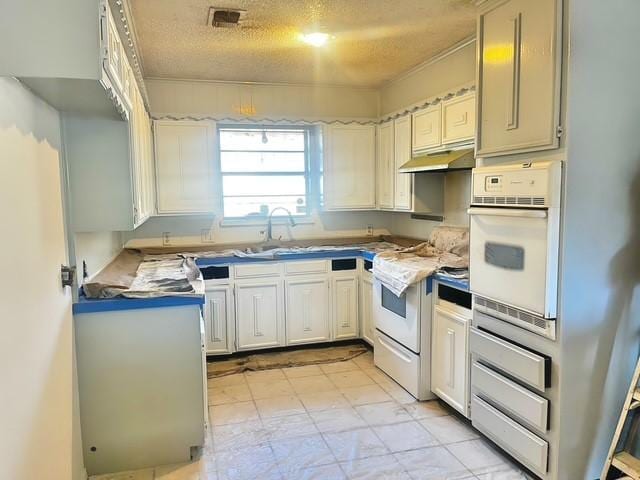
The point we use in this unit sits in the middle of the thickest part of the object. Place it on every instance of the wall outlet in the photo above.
(166, 238)
(206, 235)
(370, 230)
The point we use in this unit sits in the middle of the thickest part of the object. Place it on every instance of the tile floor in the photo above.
(345, 420)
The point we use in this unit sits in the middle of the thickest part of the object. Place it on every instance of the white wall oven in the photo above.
(403, 336)
(514, 243)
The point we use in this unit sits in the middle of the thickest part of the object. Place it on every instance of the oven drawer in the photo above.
(517, 400)
(398, 362)
(527, 447)
(529, 367)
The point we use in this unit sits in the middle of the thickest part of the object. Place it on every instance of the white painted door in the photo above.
(259, 314)
(519, 76)
(307, 310)
(385, 174)
(345, 307)
(36, 344)
(218, 317)
(185, 166)
(426, 129)
(449, 357)
(459, 119)
(366, 314)
(350, 167)
(403, 191)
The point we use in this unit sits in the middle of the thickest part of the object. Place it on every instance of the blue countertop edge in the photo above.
(87, 305)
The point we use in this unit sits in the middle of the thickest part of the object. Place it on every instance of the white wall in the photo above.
(97, 249)
(40, 436)
(187, 230)
(600, 298)
(239, 100)
(434, 77)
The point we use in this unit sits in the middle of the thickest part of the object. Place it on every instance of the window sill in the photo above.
(254, 222)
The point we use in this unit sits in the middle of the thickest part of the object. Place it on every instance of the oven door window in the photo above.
(505, 256)
(391, 302)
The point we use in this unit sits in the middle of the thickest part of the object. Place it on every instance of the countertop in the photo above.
(359, 250)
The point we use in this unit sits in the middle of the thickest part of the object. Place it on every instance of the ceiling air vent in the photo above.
(225, 17)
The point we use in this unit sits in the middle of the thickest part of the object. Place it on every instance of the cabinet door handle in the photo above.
(513, 112)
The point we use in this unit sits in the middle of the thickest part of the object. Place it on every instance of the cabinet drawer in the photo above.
(398, 362)
(517, 400)
(315, 266)
(257, 270)
(530, 449)
(529, 367)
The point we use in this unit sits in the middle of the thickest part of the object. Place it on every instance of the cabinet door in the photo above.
(403, 191)
(259, 314)
(426, 129)
(349, 167)
(385, 173)
(307, 311)
(113, 61)
(218, 316)
(184, 163)
(366, 310)
(345, 307)
(449, 358)
(459, 119)
(519, 76)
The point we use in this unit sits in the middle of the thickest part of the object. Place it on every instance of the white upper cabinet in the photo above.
(185, 166)
(427, 126)
(459, 119)
(519, 45)
(307, 310)
(403, 182)
(350, 167)
(386, 165)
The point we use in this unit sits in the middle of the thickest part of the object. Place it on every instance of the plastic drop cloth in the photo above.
(446, 247)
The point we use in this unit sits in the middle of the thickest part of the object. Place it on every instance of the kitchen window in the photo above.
(263, 168)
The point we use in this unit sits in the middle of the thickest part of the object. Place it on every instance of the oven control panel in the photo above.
(534, 184)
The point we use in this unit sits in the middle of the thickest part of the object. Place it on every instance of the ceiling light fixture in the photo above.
(315, 39)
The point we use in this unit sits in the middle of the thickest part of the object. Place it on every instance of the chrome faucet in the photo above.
(269, 231)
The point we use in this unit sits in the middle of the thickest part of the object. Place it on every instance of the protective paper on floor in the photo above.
(289, 358)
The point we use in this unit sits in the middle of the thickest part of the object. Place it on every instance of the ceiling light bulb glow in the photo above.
(316, 39)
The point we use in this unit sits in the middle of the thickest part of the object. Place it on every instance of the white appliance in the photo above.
(514, 243)
(403, 337)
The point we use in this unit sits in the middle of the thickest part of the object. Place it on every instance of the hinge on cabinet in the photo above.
(559, 131)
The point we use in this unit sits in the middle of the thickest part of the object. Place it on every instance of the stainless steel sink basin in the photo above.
(268, 251)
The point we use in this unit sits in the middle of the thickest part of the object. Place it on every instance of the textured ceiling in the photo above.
(374, 40)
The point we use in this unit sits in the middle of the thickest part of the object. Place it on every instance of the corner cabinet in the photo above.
(219, 319)
(519, 66)
(185, 166)
(350, 167)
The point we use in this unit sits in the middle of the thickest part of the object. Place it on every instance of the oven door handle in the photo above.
(507, 212)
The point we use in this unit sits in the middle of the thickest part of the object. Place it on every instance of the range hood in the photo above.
(463, 159)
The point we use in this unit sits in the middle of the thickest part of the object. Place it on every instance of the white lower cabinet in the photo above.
(219, 320)
(366, 309)
(345, 307)
(260, 316)
(307, 310)
(449, 357)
